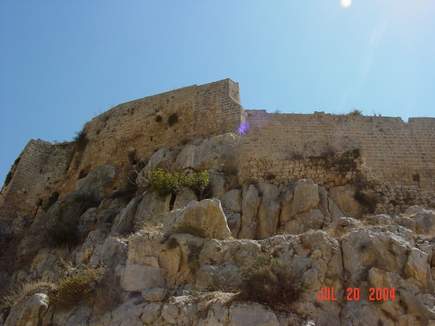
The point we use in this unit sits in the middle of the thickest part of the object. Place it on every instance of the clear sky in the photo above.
(62, 62)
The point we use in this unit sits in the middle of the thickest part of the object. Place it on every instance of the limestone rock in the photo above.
(154, 294)
(140, 277)
(251, 314)
(124, 221)
(151, 207)
(418, 267)
(312, 220)
(218, 153)
(217, 184)
(306, 196)
(96, 181)
(367, 248)
(232, 200)
(29, 312)
(205, 219)
(250, 204)
(184, 197)
(424, 220)
(268, 213)
(186, 157)
(343, 225)
(344, 197)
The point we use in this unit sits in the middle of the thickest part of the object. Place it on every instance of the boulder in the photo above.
(418, 267)
(424, 220)
(186, 157)
(232, 200)
(250, 204)
(163, 158)
(311, 220)
(29, 312)
(253, 314)
(125, 220)
(205, 219)
(184, 197)
(344, 197)
(95, 183)
(217, 184)
(150, 209)
(154, 294)
(268, 213)
(366, 248)
(139, 277)
(305, 197)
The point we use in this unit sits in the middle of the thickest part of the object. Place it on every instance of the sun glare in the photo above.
(346, 3)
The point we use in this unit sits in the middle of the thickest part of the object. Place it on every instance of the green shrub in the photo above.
(74, 288)
(197, 181)
(165, 182)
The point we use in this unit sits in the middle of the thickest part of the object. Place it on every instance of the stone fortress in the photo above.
(330, 149)
(286, 206)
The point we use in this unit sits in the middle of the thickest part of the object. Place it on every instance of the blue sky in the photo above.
(62, 62)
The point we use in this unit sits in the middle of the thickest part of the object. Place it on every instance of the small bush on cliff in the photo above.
(81, 139)
(198, 182)
(356, 112)
(165, 182)
(74, 288)
(25, 291)
(268, 283)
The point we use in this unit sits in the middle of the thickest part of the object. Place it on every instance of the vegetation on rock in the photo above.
(166, 182)
(24, 291)
(74, 288)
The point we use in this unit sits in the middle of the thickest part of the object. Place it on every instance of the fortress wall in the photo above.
(145, 125)
(390, 150)
(37, 172)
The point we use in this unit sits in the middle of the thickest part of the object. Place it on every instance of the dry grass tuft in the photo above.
(25, 291)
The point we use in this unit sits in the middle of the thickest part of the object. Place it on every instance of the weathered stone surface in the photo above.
(232, 200)
(125, 220)
(154, 294)
(344, 197)
(95, 182)
(28, 313)
(140, 277)
(312, 220)
(418, 267)
(250, 204)
(184, 197)
(204, 219)
(367, 248)
(424, 220)
(269, 210)
(217, 184)
(150, 209)
(251, 314)
(306, 196)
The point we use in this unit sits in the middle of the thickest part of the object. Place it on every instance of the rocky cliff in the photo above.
(145, 221)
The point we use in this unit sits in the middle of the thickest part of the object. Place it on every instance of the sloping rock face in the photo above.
(257, 253)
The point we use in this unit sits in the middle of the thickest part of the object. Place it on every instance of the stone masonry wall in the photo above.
(330, 149)
(36, 174)
(145, 125)
(285, 146)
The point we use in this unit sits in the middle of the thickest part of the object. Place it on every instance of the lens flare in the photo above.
(346, 3)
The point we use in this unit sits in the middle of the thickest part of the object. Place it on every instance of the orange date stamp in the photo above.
(328, 294)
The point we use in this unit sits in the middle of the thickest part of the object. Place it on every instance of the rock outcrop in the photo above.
(204, 244)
